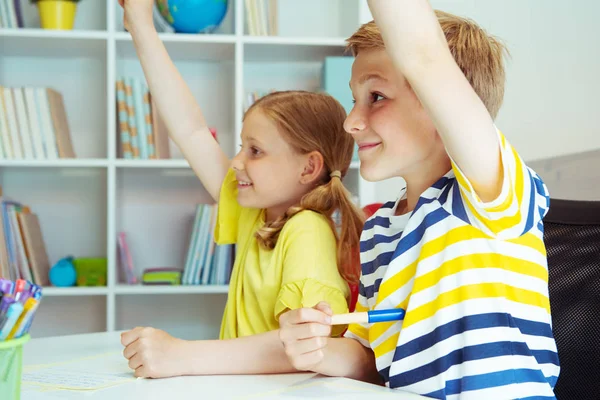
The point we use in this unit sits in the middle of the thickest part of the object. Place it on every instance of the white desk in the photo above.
(61, 351)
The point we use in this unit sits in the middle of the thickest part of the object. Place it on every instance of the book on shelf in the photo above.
(125, 260)
(206, 263)
(142, 132)
(23, 252)
(33, 124)
(253, 96)
(11, 14)
(261, 17)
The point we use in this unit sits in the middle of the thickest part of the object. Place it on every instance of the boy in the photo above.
(462, 249)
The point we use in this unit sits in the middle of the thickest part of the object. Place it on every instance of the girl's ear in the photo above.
(313, 168)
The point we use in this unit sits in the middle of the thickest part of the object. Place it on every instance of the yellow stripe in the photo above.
(480, 261)
(359, 331)
(430, 248)
(468, 292)
(388, 345)
(518, 187)
(360, 308)
(532, 241)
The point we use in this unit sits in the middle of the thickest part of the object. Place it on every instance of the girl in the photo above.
(276, 200)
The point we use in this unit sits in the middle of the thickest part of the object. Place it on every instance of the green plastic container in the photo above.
(90, 271)
(11, 367)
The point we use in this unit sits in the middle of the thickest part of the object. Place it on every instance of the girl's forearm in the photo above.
(257, 354)
(179, 110)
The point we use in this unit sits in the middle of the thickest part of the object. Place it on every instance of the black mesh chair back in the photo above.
(572, 238)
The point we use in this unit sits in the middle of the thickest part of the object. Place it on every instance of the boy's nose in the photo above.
(355, 122)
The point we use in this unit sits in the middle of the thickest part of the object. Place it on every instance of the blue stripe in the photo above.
(545, 357)
(539, 398)
(389, 204)
(530, 214)
(385, 375)
(384, 222)
(470, 323)
(369, 291)
(552, 380)
(458, 208)
(440, 183)
(422, 201)
(367, 245)
(489, 380)
(414, 237)
(456, 357)
(533, 327)
(444, 196)
(372, 266)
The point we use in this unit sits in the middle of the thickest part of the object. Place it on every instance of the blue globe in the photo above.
(193, 16)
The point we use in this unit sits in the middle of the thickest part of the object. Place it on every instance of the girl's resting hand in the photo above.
(153, 353)
(304, 333)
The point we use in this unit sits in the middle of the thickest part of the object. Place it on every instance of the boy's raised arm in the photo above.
(182, 115)
(419, 51)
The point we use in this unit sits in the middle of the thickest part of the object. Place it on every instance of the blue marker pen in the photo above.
(4, 304)
(13, 313)
(394, 314)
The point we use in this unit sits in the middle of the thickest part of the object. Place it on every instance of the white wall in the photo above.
(553, 77)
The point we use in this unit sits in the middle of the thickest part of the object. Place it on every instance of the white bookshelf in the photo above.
(82, 203)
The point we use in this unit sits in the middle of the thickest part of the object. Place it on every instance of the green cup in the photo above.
(11, 367)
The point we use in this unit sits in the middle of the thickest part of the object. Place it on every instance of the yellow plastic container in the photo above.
(57, 14)
(11, 367)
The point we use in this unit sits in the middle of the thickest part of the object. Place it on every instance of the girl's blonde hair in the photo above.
(314, 122)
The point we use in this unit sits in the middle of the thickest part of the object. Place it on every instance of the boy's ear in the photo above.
(313, 168)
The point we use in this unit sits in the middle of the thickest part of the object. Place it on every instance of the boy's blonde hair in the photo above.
(315, 122)
(478, 54)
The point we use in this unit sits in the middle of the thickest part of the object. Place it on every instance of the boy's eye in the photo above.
(375, 97)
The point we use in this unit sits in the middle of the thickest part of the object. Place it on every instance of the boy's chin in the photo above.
(370, 172)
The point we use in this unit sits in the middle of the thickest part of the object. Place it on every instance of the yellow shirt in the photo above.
(299, 272)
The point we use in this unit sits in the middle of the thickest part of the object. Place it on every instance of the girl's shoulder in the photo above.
(307, 220)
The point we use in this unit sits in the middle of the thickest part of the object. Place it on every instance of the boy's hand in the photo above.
(305, 333)
(153, 353)
(137, 12)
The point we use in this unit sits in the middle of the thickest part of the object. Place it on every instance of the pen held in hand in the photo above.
(395, 314)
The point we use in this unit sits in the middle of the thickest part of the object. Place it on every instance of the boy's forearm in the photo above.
(348, 358)
(257, 354)
(412, 29)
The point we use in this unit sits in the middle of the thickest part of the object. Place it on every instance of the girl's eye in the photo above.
(254, 151)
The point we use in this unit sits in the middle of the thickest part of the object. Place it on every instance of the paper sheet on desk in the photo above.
(89, 373)
(320, 387)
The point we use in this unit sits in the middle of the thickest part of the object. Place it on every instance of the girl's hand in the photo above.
(153, 353)
(305, 333)
(137, 13)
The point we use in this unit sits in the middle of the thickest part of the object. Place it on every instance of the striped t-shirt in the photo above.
(473, 279)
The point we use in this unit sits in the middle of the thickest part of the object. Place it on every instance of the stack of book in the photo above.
(11, 14)
(207, 263)
(23, 253)
(141, 131)
(33, 124)
(261, 17)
